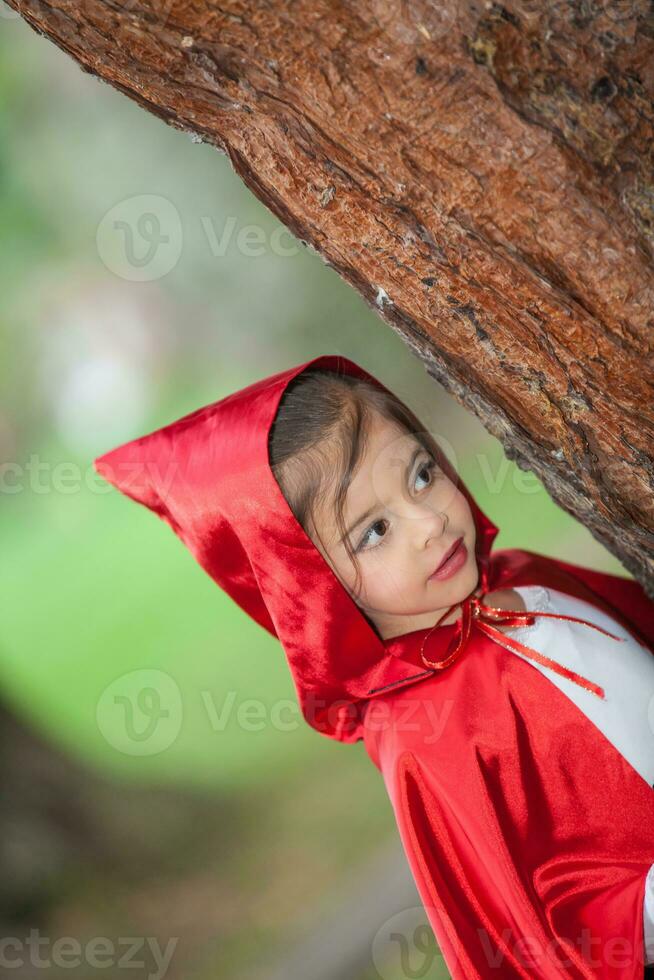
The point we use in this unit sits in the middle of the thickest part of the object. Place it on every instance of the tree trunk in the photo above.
(482, 174)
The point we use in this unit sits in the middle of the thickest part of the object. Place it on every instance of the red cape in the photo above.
(528, 834)
(526, 830)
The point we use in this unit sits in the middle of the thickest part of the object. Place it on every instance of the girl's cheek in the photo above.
(462, 501)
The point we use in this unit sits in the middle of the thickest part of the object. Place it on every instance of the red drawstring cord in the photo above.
(484, 616)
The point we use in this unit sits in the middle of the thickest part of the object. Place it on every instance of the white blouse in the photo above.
(625, 671)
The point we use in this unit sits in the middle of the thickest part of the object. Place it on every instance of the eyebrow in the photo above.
(363, 517)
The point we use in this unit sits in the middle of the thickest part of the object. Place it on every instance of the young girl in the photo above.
(507, 698)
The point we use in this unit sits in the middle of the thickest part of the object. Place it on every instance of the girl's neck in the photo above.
(501, 598)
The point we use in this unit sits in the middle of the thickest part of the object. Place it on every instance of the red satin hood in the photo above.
(208, 476)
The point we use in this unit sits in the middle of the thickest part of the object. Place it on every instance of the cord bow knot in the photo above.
(484, 617)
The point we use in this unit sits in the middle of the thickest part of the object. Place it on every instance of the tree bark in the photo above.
(481, 173)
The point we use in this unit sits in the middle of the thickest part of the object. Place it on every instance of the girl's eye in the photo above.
(376, 532)
(378, 529)
(426, 471)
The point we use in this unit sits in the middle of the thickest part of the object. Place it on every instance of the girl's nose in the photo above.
(428, 524)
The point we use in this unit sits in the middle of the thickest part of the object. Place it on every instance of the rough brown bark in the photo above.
(482, 174)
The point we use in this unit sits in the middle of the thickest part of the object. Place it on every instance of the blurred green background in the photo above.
(95, 351)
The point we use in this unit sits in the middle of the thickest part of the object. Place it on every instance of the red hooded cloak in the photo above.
(528, 834)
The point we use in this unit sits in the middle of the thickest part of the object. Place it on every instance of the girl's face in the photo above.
(403, 517)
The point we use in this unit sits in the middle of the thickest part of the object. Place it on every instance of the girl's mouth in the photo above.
(456, 559)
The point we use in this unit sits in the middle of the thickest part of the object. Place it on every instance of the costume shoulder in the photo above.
(528, 834)
(621, 597)
(503, 905)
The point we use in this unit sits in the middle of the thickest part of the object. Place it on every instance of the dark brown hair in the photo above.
(319, 436)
